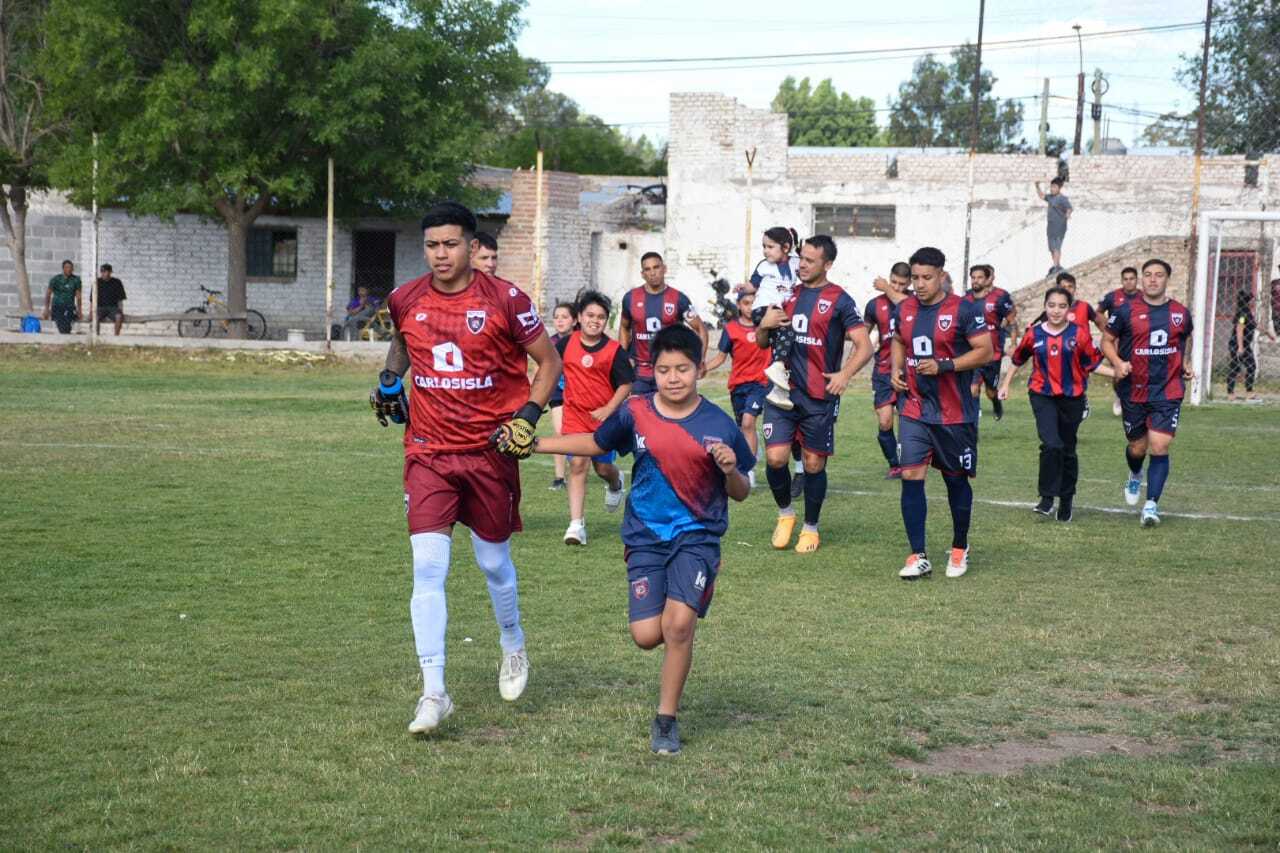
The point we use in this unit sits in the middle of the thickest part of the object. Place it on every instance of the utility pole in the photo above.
(1044, 119)
(1195, 180)
(746, 243)
(1075, 148)
(1099, 88)
(973, 135)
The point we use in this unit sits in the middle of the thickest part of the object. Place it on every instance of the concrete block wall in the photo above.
(566, 236)
(53, 235)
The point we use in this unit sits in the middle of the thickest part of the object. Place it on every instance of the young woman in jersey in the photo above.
(1062, 355)
(597, 378)
(563, 320)
(748, 386)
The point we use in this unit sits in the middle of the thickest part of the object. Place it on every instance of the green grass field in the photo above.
(204, 612)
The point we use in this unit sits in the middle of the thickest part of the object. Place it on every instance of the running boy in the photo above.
(597, 378)
(690, 457)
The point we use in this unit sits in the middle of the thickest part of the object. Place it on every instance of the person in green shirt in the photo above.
(62, 298)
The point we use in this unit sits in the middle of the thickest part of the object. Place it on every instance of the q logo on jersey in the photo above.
(944, 322)
(587, 360)
(1176, 318)
(824, 305)
(669, 309)
(475, 321)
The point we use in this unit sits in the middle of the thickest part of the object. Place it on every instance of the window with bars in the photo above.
(272, 253)
(855, 220)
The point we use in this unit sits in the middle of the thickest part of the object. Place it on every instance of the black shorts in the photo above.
(110, 312)
(988, 374)
(748, 399)
(812, 421)
(679, 570)
(883, 391)
(951, 448)
(1141, 418)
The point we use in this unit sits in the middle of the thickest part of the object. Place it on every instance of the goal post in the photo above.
(1205, 299)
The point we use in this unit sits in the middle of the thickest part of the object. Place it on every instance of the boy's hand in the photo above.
(726, 460)
(773, 317)
(899, 382)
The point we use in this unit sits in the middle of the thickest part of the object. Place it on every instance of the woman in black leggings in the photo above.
(1062, 356)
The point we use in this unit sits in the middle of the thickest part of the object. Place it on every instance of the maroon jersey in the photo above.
(467, 356)
(648, 314)
(591, 375)
(1114, 300)
(1060, 361)
(1153, 339)
(996, 305)
(820, 317)
(940, 330)
(882, 315)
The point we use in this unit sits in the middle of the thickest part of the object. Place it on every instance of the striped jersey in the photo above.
(996, 304)
(1153, 339)
(1060, 361)
(820, 317)
(940, 330)
(882, 315)
(648, 314)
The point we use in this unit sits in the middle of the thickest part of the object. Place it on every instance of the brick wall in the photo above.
(566, 236)
(53, 235)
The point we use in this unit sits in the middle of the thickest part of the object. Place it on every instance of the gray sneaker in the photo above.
(664, 740)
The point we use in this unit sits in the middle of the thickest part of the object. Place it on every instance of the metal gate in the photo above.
(374, 264)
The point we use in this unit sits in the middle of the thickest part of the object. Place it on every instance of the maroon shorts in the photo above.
(478, 488)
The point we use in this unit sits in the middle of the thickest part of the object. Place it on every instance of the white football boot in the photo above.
(613, 497)
(576, 533)
(430, 713)
(513, 675)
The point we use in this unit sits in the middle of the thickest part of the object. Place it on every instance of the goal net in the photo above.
(1236, 277)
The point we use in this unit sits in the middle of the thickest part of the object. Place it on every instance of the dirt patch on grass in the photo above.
(1009, 757)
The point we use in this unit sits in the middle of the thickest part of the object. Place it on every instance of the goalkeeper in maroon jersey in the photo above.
(1146, 343)
(465, 336)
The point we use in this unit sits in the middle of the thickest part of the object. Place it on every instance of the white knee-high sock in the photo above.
(494, 559)
(427, 607)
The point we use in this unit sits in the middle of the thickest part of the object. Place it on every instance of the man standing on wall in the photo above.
(1059, 211)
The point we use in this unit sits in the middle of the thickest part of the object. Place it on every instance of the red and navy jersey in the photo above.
(1060, 361)
(1153, 339)
(1114, 300)
(738, 339)
(820, 317)
(940, 330)
(467, 356)
(1081, 313)
(996, 305)
(882, 315)
(676, 487)
(591, 376)
(648, 313)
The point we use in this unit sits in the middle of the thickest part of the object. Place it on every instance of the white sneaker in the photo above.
(513, 675)
(780, 393)
(613, 498)
(430, 713)
(576, 534)
(1115, 407)
(777, 373)
(751, 479)
(958, 563)
(1150, 514)
(917, 567)
(1132, 489)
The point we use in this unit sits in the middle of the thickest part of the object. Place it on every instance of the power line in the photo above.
(882, 52)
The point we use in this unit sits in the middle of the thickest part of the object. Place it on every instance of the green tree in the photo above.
(935, 107)
(1243, 96)
(27, 131)
(571, 140)
(232, 107)
(825, 117)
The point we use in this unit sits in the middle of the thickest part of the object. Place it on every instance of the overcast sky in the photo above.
(1140, 66)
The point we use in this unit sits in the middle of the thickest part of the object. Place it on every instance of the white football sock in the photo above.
(494, 559)
(427, 607)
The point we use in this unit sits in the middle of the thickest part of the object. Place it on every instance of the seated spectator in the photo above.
(111, 297)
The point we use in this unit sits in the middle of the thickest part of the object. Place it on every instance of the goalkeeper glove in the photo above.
(515, 437)
(388, 400)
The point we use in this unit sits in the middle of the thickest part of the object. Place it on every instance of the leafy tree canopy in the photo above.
(823, 116)
(935, 107)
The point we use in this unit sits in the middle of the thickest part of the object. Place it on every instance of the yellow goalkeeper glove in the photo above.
(515, 437)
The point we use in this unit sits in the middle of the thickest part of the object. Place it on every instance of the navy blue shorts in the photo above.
(678, 570)
(813, 421)
(951, 448)
(643, 386)
(1139, 418)
(988, 374)
(882, 388)
(748, 399)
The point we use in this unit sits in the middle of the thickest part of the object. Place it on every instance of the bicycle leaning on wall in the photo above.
(213, 312)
